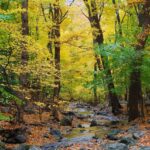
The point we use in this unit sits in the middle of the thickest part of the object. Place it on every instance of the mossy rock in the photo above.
(2, 146)
(66, 121)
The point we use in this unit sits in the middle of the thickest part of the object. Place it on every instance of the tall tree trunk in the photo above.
(135, 89)
(95, 86)
(98, 39)
(57, 18)
(24, 55)
(25, 32)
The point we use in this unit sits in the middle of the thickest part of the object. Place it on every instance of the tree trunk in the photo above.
(57, 50)
(24, 56)
(25, 32)
(98, 39)
(95, 86)
(135, 88)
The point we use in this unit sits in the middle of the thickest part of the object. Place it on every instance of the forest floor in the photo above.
(81, 127)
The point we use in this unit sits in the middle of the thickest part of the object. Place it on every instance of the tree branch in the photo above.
(43, 12)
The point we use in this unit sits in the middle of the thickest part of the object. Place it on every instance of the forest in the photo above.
(74, 75)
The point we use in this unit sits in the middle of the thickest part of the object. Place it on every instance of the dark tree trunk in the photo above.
(37, 28)
(24, 15)
(25, 32)
(57, 50)
(95, 86)
(98, 39)
(135, 89)
(24, 56)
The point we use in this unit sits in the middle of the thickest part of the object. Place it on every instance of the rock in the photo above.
(2, 146)
(148, 121)
(69, 113)
(22, 147)
(93, 123)
(56, 133)
(85, 125)
(112, 134)
(102, 113)
(82, 116)
(14, 136)
(82, 131)
(115, 122)
(138, 135)
(133, 129)
(35, 148)
(145, 148)
(20, 138)
(112, 137)
(65, 143)
(80, 126)
(127, 141)
(116, 146)
(46, 135)
(66, 121)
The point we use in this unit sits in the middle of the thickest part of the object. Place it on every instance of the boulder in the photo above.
(145, 148)
(69, 113)
(115, 122)
(148, 121)
(82, 116)
(137, 135)
(127, 141)
(20, 138)
(56, 133)
(112, 134)
(14, 136)
(66, 121)
(116, 146)
(2, 146)
(93, 123)
(112, 137)
(103, 113)
(79, 126)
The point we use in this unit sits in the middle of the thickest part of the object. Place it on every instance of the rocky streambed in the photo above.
(88, 128)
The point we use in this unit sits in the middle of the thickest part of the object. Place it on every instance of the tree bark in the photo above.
(24, 56)
(56, 31)
(95, 86)
(135, 88)
(25, 32)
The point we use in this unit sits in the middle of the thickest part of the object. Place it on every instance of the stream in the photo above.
(84, 127)
(94, 125)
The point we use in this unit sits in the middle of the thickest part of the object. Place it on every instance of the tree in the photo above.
(25, 32)
(135, 88)
(24, 56)
(98, 39)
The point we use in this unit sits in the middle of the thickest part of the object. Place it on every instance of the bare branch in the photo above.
(88, 7)
(85, 14)
(123, 17)
(43, 12)
(64, 16)
(101, 10)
